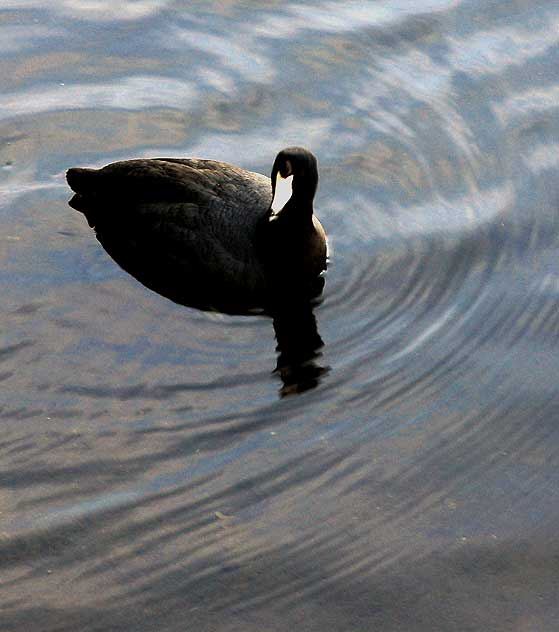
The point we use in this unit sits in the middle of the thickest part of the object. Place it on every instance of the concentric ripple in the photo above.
(167, 468)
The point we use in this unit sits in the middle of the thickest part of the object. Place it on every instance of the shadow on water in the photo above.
(149, 261)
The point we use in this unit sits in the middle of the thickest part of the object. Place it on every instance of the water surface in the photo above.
(152, 475)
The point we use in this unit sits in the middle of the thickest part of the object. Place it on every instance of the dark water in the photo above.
(152, 478)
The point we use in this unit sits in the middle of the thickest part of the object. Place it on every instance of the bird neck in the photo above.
(297, 212)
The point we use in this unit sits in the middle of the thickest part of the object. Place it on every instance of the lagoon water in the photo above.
(156, 473)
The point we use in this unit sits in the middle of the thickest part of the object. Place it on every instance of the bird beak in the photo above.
(282, 194)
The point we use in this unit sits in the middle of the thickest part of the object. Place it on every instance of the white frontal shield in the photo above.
(282, 194)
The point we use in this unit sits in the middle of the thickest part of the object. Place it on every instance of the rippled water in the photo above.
(151, 475)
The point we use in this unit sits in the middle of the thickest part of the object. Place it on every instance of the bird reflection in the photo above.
(299, 348)
(298, 342)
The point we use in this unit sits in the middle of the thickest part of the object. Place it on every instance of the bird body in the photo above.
(209, 225)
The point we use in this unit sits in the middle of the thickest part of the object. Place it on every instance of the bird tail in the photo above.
(82, 181)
